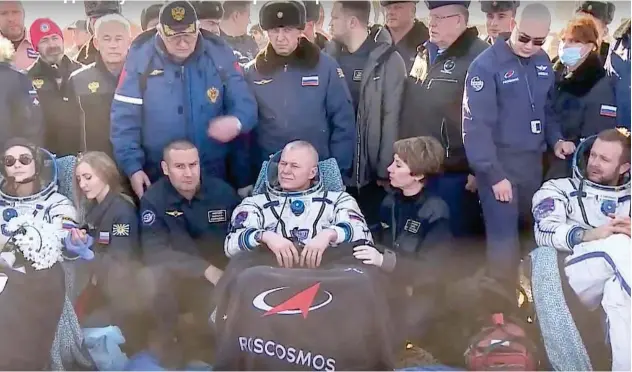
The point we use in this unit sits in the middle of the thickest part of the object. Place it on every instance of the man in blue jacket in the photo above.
(506, 127)
(179, 82)
(618, 68)
(301, 92)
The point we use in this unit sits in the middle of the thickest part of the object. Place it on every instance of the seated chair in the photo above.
(328, 172)
(568, 348)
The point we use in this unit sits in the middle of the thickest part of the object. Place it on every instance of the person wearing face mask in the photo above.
(500, 18)
(507, 125)
(50, 75)
(584, 102)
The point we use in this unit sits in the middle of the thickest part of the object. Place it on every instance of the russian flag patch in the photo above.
(67, 223)
(609, 111)
(309, 81)
(104, 237)
(31, 53)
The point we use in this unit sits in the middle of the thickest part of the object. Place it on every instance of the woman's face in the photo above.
(399, 174)
(90, 184)
(19, 164)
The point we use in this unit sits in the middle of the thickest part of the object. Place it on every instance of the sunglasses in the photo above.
(537, 41)
(24, 159)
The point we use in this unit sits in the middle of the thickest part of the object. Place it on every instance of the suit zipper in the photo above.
(441, 79)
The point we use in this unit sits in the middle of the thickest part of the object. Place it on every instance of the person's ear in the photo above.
(313, 172)
(512, 24)
(624, 168)
(96, 42)
(419, 178)
(165, 168)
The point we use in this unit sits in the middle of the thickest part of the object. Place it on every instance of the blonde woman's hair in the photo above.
(423, 155)
(104, 168)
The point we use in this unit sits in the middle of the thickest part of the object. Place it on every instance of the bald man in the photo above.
(296, 212)
(506, 128)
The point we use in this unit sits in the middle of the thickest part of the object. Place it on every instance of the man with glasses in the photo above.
(179, 82)
(500, 18)
(506, 127)
(432, 104)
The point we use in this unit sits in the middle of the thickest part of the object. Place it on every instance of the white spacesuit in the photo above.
(297, 216)
(598, 271)
(46, 204)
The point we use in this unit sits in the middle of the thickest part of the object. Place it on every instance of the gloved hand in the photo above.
(368, 255)
(80, 248)
(245, 192)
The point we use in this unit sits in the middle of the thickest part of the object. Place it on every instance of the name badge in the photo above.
(357, 75)
(217, 216)
(536, 126)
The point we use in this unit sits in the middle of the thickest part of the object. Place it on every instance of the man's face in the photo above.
(499, 22)
(259, 37)
(113, 41)
(152, 23)
(51, 48)
(11, 19)
(529, 36)
(339, 24)
(284, 40)
(183, 169)
(242, 19)
(443, 25)
(297, 169)
(605, 165)
(80, 37)
(399, 15)
(211, 25)
(180, 46)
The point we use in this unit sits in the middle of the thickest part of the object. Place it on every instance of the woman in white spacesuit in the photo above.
(29, 186)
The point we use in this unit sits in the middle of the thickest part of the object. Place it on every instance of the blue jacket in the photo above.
(502, 100)
(178, 103)
(19, 105)
(618, 67)
(302, 97)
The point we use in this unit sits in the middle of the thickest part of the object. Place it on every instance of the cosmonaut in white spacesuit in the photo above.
(588, 216)
(295, 210)
(29, 186)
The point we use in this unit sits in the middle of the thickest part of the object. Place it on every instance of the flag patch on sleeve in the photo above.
(609, 111)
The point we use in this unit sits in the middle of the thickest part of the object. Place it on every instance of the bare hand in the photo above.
(471, 183)
(78, 235)
(312, 254)
(622, 224)
(617, 225)
(224, 128)
(140, 182)
(502, 191)
(284, 250)
(564, 148)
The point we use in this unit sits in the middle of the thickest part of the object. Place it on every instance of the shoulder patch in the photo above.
(148, 217)
(477, 84)
(120, 229)
(544, 209)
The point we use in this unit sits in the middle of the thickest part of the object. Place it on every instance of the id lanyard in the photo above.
(526, 79)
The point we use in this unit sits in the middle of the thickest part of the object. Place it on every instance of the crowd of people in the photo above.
(352, 179)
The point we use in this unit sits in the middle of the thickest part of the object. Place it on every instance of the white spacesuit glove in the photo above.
(245, 192)
(368, 255)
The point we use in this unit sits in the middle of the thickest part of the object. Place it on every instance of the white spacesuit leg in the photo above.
(599, 272)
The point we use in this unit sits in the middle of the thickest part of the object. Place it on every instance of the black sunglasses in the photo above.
(10, 160)
(537, 41)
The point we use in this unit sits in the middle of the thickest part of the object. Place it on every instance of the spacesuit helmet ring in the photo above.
(580, 163)
(272, 179)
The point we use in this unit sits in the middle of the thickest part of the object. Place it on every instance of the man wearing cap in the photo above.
(301, 91)
(12, 28)
(80, 36)
(234, 28)
(94, 85)
(500, 18)
(618, 69)
(432, 103)
(408, 33)
(507, 124)
(209, 14)
(179, 82)
(94, 10)
(375, 74)
(602, 12)
(149, 17)
(50, 74)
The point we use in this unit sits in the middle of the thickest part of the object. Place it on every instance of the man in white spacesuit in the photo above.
(294, 211)
(29, 186)
(588, 216)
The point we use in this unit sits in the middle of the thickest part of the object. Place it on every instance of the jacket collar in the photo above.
(459, 48)
(175, 198)
(162, 51)
(417, 35)
(305, 56)
(582, 80)
(43, 69)
(100, 65)
(95, 214)
(380, 35)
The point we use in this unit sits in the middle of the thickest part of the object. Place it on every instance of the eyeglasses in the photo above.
(10, 160)
(537, 41)
(436, 18)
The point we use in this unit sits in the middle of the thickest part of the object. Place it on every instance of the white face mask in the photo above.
(570, 56)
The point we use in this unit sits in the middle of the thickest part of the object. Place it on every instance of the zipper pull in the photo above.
(285, 68)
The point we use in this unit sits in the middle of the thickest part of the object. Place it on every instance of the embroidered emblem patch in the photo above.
(240, 219)
(477, 83)
(148, 218)
(544, 209)
(120, 229)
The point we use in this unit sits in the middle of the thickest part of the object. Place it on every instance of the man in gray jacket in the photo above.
(375, 74)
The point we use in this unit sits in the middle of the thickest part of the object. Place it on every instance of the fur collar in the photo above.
(582, 80)
(306, 56)
(6, 49)
(623, 31)
(461, 45)
(417, 35)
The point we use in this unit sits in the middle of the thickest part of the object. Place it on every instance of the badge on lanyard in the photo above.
(536, 126)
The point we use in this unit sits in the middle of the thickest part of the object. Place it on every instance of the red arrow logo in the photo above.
(301, 301)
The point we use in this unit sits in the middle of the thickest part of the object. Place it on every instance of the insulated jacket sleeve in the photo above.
(126, 118)
(340, 115)
(348, 221)
(26, 113)
(392, 95)
(480, 115)
(552, 129)
(552, 227)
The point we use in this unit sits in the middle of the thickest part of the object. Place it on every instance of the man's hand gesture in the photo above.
(312, 254)
(284, 250)
(616, 225)
(224, 128)
(563, 149)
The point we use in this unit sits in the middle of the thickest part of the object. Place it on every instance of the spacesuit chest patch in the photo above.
(412, 226)
(608, 205)
(544, 209)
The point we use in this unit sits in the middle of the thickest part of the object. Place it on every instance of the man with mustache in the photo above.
(50, 74)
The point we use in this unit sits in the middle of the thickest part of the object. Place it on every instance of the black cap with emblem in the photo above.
(209, 9)
(498, 6)
(178, 17)
(275, 14)
(387, 3)
(601, 10)
(437, 4)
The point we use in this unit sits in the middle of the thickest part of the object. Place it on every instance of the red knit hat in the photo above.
(43, 27)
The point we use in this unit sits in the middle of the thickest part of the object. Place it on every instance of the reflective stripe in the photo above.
(132, 100)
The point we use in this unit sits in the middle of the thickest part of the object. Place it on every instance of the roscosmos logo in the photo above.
(313, 361)
(300, 303)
